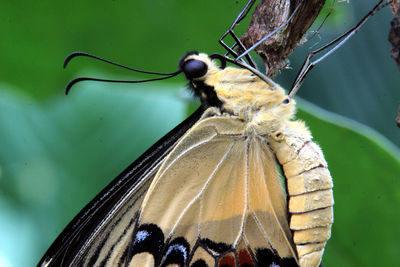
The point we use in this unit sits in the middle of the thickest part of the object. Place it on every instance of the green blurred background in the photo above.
(57, 152)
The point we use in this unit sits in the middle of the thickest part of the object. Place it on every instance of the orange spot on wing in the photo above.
(245, 258)
(227, 261)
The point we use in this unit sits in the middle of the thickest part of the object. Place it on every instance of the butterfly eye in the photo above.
(194, 69)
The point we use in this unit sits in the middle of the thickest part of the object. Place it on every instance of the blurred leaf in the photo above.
(146, 35)
(57, 156)
(332, 13)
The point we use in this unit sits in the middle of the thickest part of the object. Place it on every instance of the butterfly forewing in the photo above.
(94, 235)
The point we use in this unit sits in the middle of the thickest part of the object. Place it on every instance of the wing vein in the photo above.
(246, 194)
(183, 153)
(203, 188)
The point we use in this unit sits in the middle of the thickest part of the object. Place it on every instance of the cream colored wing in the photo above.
(217, 199)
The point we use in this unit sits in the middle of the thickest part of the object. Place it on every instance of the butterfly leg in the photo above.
(231, 50)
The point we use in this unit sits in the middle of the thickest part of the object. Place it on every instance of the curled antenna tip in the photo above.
(74, 81)
(71, 56)
(67, 89)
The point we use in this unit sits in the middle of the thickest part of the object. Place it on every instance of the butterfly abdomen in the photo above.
(309, 186)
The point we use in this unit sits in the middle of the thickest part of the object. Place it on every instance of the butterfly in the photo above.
(209, 193)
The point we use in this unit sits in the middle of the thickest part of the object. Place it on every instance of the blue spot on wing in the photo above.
(177, 252)
(141, 236)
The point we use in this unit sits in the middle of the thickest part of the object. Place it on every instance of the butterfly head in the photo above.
(236, 91)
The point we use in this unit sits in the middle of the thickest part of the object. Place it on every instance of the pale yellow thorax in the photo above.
(249, 98)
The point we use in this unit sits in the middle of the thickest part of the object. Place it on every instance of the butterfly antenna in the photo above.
(80, 79)
(336, 43)
(83, 54)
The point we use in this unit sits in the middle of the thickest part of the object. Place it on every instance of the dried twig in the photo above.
(394, 33)
(269, 15)
(394, 39)
(398, 117)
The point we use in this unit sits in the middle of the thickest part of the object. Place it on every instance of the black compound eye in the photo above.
(194, 68)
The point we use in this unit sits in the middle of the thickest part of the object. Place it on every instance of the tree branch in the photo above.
(394, 39)
(268, 16)
(394, 33)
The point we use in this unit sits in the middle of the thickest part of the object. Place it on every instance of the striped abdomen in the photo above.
(309, 187)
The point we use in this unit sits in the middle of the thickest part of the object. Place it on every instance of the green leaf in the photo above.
(58, 155)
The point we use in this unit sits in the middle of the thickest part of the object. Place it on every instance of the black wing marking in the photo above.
(70, 244)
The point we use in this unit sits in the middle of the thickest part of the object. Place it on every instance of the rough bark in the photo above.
(268, 16)
(398, 117)
(394, 39)
(394, 33)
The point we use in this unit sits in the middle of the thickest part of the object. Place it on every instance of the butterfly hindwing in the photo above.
(216, 198)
